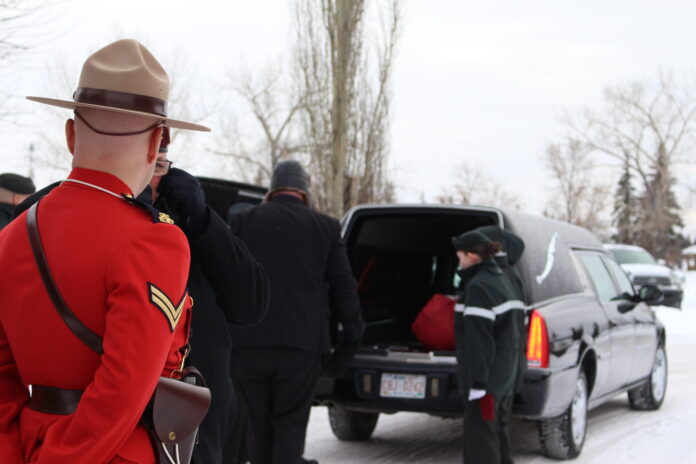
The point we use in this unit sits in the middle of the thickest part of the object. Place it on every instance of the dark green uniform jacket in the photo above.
(513, 247)
(487, 330)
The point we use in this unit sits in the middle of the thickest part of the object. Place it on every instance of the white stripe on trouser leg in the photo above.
(459, 308)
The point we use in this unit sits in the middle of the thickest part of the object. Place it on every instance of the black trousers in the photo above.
(236, 449)
(277, 385)
(488, 442)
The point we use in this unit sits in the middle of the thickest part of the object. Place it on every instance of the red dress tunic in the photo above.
(124, 276)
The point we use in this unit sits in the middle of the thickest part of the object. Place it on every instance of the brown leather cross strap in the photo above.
(123, 100)
(81, 331)
(54, 400)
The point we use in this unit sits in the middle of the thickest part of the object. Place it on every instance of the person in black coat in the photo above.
(14, 189)
(227, 284)
(280, 359)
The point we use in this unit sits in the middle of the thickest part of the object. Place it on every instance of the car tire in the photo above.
(563, 437)
(350, 425)
(650, 395)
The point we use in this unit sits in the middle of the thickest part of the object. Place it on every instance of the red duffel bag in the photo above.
(434, 325)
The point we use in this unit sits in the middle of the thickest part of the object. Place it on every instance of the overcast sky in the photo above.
(477, 81)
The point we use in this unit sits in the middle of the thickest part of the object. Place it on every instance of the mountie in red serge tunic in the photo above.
(122, 269)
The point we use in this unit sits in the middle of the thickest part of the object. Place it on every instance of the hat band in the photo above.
(123, 100)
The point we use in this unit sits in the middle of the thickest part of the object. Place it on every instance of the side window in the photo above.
(622, 279)
(599, 274)
(579, 268)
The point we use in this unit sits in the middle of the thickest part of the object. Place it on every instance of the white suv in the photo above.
(643, 269)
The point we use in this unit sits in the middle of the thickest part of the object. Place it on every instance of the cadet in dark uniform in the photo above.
(509, 255)
(487, 335)
(13, 190)
(280, 359)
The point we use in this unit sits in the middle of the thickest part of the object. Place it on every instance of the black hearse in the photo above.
(590, 336)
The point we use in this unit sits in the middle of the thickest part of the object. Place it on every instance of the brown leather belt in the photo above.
(54, 400)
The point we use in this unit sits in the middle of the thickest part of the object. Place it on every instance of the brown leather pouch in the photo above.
(178, 408)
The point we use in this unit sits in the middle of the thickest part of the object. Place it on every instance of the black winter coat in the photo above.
(306, 263)
(227, 286)
(513, 247)
(487, 330)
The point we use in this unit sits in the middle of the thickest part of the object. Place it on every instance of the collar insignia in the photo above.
(164, 217)
(157, 215)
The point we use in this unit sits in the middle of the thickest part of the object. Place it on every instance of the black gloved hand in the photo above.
(184, 195)
(338, 361)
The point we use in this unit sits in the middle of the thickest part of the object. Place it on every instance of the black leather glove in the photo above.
(185, 197)
(338, 361)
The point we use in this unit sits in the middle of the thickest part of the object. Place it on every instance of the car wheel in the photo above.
(562, 437)
(650, 395)
(352, 425)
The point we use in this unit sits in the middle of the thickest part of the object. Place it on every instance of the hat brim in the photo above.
(169, 122)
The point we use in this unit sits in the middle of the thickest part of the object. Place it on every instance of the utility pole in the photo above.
(31, 160)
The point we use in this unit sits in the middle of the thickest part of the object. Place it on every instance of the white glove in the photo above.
(475, 394)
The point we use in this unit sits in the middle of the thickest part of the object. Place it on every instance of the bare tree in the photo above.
(346, 118)
(22, 26)
(474, 186)
(639, 122)
(331, 111)
(274, 109)
(650, 128)
(578, 197)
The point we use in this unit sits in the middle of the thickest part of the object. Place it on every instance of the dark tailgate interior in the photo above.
(400, 258)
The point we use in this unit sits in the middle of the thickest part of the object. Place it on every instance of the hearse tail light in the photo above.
(537, 341)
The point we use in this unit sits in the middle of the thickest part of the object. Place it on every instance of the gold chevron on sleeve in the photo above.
(171, 311)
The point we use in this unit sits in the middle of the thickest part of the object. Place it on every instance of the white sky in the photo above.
(475, 81)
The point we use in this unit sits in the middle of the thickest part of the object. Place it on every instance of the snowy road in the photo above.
(616, 434)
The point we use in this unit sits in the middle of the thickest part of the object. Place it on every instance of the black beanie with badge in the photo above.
(16, 183)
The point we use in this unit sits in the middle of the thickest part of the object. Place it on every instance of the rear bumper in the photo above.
(360, 388)
(544, 393)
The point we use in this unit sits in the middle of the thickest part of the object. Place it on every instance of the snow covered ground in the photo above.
(616, 434)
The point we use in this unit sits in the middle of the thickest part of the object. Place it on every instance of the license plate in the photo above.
(403, 386)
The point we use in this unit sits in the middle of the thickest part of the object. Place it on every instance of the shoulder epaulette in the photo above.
(157, 215)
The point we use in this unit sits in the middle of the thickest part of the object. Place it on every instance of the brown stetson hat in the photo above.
(124, 77)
